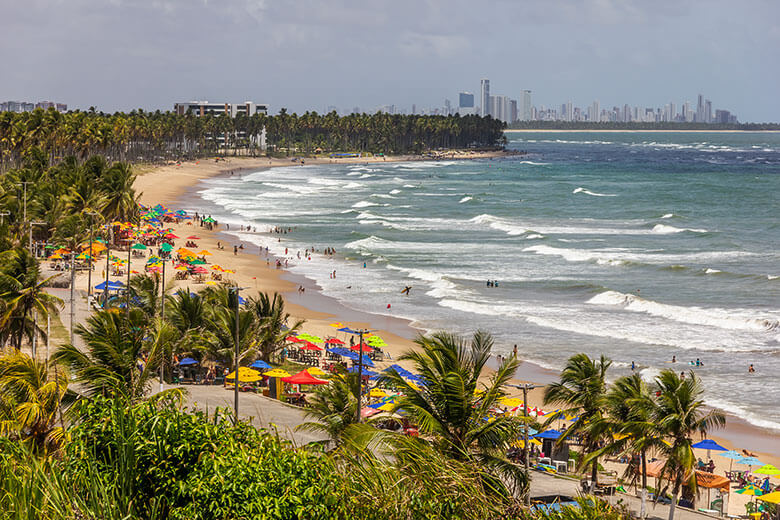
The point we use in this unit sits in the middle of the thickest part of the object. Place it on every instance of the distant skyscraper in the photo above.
(465, 103)
(700, 109)
(485, 97)
(672, 112)
(447, 107)
(594, 112)
(525, 106)
(708, 111)
(512, 111)
(414, 109)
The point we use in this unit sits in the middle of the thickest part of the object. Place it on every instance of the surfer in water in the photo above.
(406, 290)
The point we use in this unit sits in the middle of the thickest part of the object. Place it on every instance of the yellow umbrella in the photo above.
(204, 253)
(229, 271)
(180, 268)
(245, 375)
(317, 371)
(215, 283)
(772, 498)
(55, 256)
(276, 372)
(511, 401)
(520, 443)
(377, 392)
(337, 325)
(62, 251)
(387, 407)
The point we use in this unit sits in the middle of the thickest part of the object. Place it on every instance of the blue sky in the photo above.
(124, 54)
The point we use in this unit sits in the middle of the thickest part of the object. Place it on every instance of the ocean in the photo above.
(639, 246)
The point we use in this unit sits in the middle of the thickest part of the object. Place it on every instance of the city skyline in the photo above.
(150, 54)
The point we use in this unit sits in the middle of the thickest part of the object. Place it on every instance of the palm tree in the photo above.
(582, 388)
(273, 320)
(31, 393)
(219, 342)
(22, 294)
(452, 405)
(679, 414)
(120, 197)
(112, 362)
(145, 291)
(334, 407)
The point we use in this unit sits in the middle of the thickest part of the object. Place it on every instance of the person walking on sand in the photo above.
(235, 250)
(751, 370)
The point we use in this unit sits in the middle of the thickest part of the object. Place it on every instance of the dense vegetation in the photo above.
(158, 136)
(585, 125)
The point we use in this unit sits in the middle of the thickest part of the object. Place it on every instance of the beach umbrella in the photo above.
(311, 346)
(363, 347)
(204, 253)
(772, 498)
(188, 361)
(56, 256)
(377, 392)
(750, 461)
(709, 444)
(511, 401)
(334, 341)
(295, 339)
(62, 251)
(750, 489)
(348, 330)
(277, 372)
(170, 235)
(200, 270)
(261, 365)
(166, 247)
(317, 371)
(366, 373)
(245, 375)
(731, 454)
(767, 469)
(549, 434)
(197, 261)
(139, 247)
(337, 325)
(193, 237)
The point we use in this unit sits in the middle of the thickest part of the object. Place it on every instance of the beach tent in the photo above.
(261, 365)
(304, 378)
(188, 361)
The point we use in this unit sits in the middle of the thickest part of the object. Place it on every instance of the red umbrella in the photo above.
(171, 235)
(295, 339)
(334, 341)
(193, 237)
(200, 270)
(365, 347)
(311, 346)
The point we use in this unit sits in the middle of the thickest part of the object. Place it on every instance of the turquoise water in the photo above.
(641, 246)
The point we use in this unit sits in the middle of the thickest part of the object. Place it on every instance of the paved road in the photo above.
(262, 411)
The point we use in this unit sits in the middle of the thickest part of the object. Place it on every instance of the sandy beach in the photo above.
(174, 186)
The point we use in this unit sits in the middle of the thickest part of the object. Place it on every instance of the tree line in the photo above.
(141, 136)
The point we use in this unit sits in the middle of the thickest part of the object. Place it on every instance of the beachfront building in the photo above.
(24, 106)
(465, 103)
(526, 113)
(247, 108)
(202, 108)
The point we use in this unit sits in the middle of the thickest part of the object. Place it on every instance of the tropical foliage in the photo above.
(153, 136)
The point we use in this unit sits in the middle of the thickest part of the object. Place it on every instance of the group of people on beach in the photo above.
(492, 283)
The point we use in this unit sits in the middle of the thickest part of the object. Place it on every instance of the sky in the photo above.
(308, 55)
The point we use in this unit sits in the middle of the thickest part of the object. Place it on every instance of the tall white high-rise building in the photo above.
(525, 106)
(672, 112)
(700, 109)
(708, 111)
(594, 112)
(485, 97)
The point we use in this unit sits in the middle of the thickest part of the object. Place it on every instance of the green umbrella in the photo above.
(750, 489)
(166, 247)
(767, 469)
(102, 241)
(49, 246)
(139, 247)
(208, 219)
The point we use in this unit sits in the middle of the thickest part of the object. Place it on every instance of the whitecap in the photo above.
(663, 229)
(364, 204)
(464, 199)
(395, 192)
(668, 215)
(588, 192)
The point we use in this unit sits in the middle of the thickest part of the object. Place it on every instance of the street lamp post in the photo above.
(235, 356)
(525, 388)
(92, 216)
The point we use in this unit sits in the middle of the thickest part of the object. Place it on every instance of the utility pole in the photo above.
(235, 355)
(108, 258)
(162, 318)
(92, 216)
(360, 373)
(526, 387)
(31, 242)
(127, 287)
(72, 288)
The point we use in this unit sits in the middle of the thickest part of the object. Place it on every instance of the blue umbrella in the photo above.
(750, 461)
(260, 364)
(347, 329)
(111, 285)
(549, 434)
(188, 361)
(731, 454)
(709, 444)
(366, 373)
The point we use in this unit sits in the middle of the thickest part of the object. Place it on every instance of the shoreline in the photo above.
(634, 131)
(320, 310)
